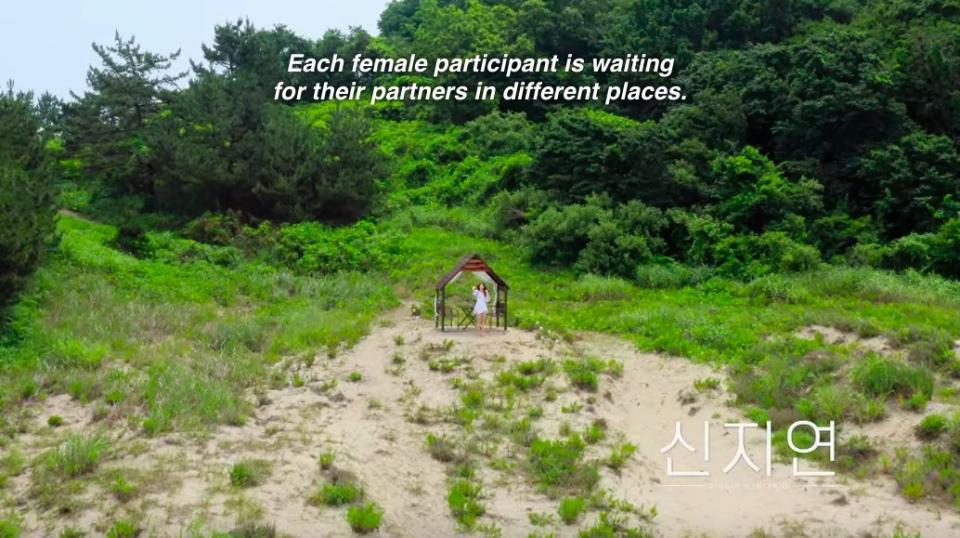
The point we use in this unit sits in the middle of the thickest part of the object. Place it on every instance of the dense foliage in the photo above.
(815, 130)
(26, 192)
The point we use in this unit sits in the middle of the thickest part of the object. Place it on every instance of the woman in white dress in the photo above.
(480, 307)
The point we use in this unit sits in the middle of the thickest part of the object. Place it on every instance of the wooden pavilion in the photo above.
(471, 263)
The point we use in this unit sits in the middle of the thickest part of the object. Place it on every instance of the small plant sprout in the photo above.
(706, 384)
(326, 459)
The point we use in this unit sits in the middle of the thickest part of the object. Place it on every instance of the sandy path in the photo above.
(369, 425)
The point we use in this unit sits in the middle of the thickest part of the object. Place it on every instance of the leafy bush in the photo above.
(596, 238)
(751, 256)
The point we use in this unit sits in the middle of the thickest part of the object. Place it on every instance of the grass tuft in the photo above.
(366, 518)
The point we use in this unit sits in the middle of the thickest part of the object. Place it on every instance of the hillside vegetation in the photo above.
(163, 247)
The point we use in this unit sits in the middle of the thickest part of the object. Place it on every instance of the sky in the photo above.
(45, 44)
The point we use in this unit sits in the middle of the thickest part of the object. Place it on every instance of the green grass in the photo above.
(464, 502)
(122, 489)
(326, 459)
(931, 427)
(176, 340)
(10, 527)
(366, 518)
(77, 456)
(570, 509)
(200, 332)
(249, 473)
(442, 448)
(338, 494)
(124, 529)
(557, 465)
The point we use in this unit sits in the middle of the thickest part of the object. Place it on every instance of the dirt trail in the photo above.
(370, 424)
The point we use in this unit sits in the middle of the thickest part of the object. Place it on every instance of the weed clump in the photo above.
(122, 489)
(570, 509)
(931, 427)
(124, 529)
(339, 494)
(366, 518)
(883, 377)
(464, 502)
(557, 465)
(77, 456)
(442, 448)
(583, 373)
(326, 459)
(249, 473)
(619, 454)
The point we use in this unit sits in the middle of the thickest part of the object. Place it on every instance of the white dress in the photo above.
(481, 306)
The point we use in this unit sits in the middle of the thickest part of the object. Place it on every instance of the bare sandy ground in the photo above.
(370, 425)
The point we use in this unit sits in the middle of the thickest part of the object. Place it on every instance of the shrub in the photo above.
(570, 509)
(931, 427)
(752, 256)
(55, 421)
(366, 518)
